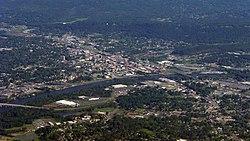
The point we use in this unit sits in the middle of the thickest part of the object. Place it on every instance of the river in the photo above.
(84, 86)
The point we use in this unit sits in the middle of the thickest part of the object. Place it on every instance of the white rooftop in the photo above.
(119, 86)
(65, 102)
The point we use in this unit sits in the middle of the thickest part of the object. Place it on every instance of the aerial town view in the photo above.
(121, 70)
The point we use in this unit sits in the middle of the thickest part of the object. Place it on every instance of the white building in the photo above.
(119, 86)
(94, 99)
(67, 103)
(82, 97)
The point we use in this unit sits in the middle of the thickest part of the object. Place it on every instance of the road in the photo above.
(21, 106)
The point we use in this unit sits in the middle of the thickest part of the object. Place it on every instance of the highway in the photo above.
(21, 106)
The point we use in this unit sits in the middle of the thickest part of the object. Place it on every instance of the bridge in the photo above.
(21, 106)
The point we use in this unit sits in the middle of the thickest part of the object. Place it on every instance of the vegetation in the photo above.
(122, 128)
(17, 117)
(200, 89)
(153, 98)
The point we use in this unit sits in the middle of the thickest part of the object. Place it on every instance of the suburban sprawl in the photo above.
(124, 75)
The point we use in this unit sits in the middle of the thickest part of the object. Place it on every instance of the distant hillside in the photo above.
(188, 20)
(49, 11)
